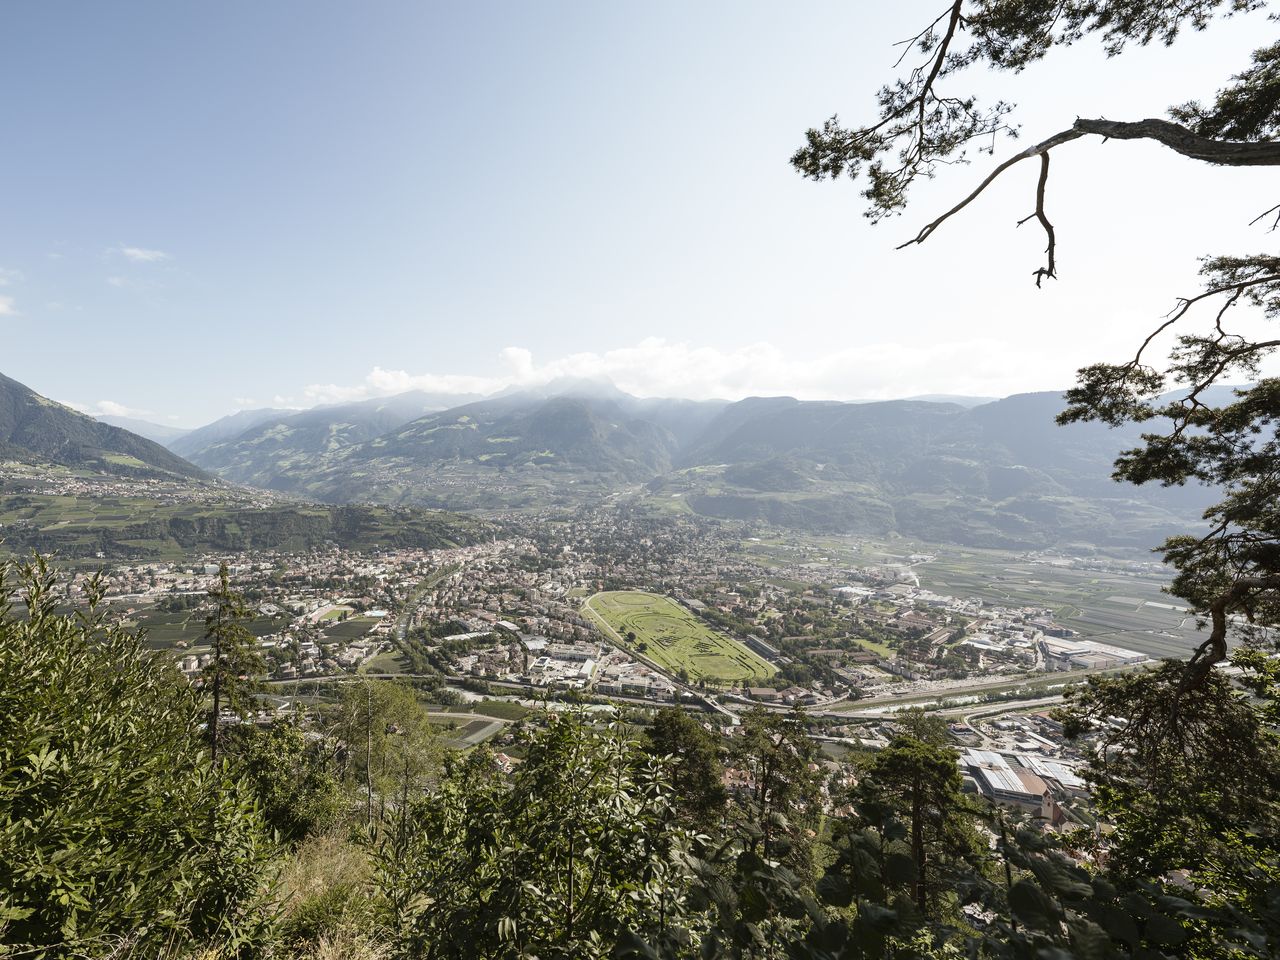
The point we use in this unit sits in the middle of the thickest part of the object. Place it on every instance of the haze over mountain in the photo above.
(964, 401)
(996, 472)
(224, 428)
(158, 432)
(35, 429)
(273, 441)
(999, 473)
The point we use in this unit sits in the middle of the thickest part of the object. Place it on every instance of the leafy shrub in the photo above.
(298, 790)
(114, 826)
(578, 849)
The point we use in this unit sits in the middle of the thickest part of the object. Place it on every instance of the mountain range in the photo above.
(159, 432)
(255, 447)
(986, 473)
(996, 473)
(35, 429)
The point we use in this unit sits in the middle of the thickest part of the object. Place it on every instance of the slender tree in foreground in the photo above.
(231, 676)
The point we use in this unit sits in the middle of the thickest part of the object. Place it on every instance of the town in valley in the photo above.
(624, 609)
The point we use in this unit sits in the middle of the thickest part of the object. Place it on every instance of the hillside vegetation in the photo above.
(997, 474)
(256, 446)
(34, 429)
(142, 528)
(353, 831)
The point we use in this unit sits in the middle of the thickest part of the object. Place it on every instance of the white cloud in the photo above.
(7, 309)
(655, 367)
(109, 408)
(112, 409)
(142, 254)
(118, 282)
(9, 277)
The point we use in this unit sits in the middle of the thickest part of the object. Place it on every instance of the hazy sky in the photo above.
(212, 206)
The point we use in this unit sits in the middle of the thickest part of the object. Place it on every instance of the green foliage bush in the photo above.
(114, 827)
(298, 790)
(577, 849)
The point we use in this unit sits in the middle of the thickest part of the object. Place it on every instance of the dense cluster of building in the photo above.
(508, 614)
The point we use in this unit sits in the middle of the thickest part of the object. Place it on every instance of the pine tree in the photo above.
(231, 674)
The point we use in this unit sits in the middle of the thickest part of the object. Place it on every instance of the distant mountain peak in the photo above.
(159, 432)
(595, 388)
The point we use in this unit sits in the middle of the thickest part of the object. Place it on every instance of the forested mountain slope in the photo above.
(35, 429)
(999, 473)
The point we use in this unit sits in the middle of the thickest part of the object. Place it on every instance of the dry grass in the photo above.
(326, 902)
(317, 866)
(348, 945)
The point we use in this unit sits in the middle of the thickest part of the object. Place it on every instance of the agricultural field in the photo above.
(1124, 607)
(389, 661)
(84, 530)
(185, 629)
(351, 629)
(499, 709)
(461, 731)
(1127, 609)
(675, 639)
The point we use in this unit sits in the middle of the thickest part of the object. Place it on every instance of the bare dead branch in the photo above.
(1033, 151)
(1276, 223)
(1050, 269)
(1175, 137)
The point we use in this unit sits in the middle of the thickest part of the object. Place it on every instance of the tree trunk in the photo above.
(917, 843)
(217, 690)
(368, 754)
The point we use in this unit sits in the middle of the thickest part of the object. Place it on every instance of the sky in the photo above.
(211, 207)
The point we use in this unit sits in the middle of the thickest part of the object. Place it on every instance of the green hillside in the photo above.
(35, 429)
(999, 474)
(274, 446)
(146, 528)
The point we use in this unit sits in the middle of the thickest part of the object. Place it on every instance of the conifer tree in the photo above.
(695, 767)
(916, 778)
(230, 676)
